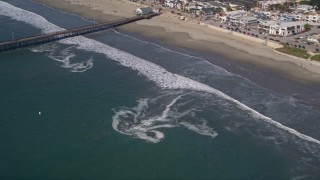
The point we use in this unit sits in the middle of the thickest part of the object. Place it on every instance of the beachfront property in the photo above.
(232, 16)
(311, 17)
(171, 3)
(314, 39)
(282, 28)
(296, 16)
(248, 20)
(269, 21)
(267, 3)
(237, 6)
(143, 11)
(207, 11)
(304, 8)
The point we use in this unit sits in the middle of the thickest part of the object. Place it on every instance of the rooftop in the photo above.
(283, 23)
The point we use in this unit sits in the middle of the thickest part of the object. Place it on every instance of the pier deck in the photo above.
(45, 38)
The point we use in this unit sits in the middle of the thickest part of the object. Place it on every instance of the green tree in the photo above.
(315, 3)
(312, 3)
(305, 2)
(307, 27)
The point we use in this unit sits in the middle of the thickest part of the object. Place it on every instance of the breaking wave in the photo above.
(152, 72)
(218, 70)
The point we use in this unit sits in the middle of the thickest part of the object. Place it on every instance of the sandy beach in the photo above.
(169, 29)
(293, 76)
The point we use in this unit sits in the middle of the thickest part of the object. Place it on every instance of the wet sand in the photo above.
(251, 60)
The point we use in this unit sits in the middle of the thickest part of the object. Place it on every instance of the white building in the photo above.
(265, 4)
(233, 16)
(171, 3)
(304, 7)
(282, 28)
(311, 17)
(296, 17)
(248, 20)
(144, 11)
(314, 39)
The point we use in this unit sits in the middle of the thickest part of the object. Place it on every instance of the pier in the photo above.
(50, 37)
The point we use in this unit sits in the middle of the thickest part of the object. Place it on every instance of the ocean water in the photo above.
(118, 106)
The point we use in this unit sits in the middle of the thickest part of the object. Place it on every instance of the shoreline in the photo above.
(188, 35)
(276, 71)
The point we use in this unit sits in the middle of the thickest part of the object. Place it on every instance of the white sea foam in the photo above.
(65, 57)
(44, 48)
(135, 122)
(202, 129)
(153, 72)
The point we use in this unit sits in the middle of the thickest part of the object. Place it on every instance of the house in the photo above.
(233, 16)
(314, 39)
(296, 17)
(282, 28)
(260, 16)
(182, 4)
(311, 17)
(265, 4)
(285, 17)
(304, 8)
(171, 3)
(194, 9)
(207, 11)
(237, 6)
(143, 11)
(248, 20)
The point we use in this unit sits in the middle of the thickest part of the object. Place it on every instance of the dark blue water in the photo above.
(104, 115)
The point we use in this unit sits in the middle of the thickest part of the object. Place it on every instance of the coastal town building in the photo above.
(282, 28)
(207, 11)
(237, 6)
(260, 16)
(171, 3)
(296, 17)
(314, 39)
(248, 20)
(304, 7)
(232, 16)
(269, 21)
(311, 17)
(144, 11)
(266, 4)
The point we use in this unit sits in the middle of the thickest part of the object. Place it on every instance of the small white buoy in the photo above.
(39, 113)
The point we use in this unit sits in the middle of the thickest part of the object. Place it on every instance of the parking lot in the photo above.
(298, 40)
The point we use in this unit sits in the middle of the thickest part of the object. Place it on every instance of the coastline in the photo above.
(279, 72)
(169, 29)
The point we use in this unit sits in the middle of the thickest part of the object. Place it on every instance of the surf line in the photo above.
(153, 72)
(192, 56)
